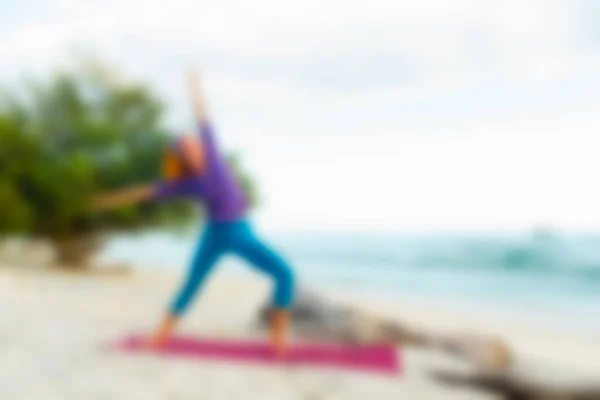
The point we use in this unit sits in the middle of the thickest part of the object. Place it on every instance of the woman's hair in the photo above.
(183, 158)
(173, 167)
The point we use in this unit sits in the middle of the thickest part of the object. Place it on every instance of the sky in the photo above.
(379, 115)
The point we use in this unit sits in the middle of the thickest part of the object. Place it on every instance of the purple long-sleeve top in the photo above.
(217, 187)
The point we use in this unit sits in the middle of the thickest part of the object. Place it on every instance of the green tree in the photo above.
(84, 132)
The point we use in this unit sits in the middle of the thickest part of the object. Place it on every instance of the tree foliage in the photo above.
(84, 132)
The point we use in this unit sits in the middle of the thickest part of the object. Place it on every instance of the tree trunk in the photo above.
(76, 252)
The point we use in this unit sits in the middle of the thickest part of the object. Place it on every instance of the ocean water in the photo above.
(534, 274)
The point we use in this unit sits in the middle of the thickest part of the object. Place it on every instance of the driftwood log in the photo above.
(494, 366)
(315, 316)
(515, 386)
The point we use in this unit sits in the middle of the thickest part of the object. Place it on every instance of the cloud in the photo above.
(277, 38)
(500, 175)
(267, 51)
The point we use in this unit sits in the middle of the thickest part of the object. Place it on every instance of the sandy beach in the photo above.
(54, 326)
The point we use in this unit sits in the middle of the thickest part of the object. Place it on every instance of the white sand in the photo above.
(52, 328)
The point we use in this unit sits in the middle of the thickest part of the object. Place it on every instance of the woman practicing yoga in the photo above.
(195, 167)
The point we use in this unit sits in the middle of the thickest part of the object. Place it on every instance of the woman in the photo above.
(195, 167)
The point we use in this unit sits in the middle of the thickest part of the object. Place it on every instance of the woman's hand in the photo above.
(128, 196)
(106, 202)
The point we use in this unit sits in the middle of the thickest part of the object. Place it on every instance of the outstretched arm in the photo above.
(132, 195)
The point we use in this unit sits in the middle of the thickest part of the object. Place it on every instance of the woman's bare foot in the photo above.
(154, 342)
(162, 334)
(280, 331)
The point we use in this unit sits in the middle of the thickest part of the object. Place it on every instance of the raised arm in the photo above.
(198, 99)
(202, 114)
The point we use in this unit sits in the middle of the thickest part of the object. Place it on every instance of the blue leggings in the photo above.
(238, 238)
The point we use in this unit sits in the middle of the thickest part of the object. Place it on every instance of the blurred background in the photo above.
(430, 153)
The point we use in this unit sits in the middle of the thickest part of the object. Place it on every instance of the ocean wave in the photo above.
(577, 260)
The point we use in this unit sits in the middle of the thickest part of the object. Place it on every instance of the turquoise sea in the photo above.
(529, 273)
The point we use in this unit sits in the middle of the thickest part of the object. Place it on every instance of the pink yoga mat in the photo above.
(373, 358)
